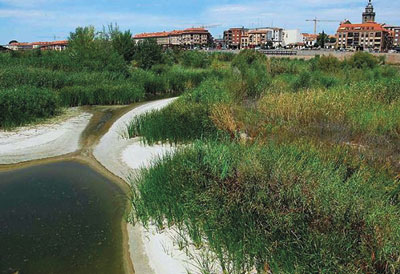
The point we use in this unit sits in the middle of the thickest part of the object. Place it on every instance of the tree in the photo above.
(124, 45)
(122, 42)
(81, 42)
(147, 53)
(322, 39)
(94, 50)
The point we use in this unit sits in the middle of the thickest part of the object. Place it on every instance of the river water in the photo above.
(60, 218)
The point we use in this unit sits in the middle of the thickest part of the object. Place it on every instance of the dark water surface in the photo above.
(60, 218)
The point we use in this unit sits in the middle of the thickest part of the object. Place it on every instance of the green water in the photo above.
(60, 218)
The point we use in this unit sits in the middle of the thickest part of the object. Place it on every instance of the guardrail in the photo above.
(279, 52)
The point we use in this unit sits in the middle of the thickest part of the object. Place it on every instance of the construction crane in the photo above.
(209, 26)
(315, 20)
(54, 37)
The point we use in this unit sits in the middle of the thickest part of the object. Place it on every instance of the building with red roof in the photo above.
(368, 35)
(233, 38)
(190, 38)
(55, 45)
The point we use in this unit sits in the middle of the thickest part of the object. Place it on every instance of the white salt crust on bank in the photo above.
(150, 251)
(42, 141)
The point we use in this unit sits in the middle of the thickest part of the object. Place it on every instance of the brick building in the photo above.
(242, 38)
(233, 37)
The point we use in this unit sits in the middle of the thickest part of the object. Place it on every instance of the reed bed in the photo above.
(282, 208)
(291, 165)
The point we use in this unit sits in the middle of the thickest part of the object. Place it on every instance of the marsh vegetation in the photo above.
(289, 165)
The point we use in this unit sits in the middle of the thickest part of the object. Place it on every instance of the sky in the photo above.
(46, 20)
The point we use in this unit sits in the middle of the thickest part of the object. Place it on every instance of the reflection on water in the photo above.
(60, 218)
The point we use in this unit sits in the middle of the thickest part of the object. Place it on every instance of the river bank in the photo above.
(58, 136)
(69, 137)
(95, 137)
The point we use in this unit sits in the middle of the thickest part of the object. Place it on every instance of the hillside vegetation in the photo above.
(290, 166)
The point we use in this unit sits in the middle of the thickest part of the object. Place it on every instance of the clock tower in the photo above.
(369, 14)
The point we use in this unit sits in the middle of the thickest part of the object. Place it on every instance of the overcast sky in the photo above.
(39, 20)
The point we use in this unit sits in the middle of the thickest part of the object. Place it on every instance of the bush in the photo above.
(250, 76)
(328, 63)
(223, 56)
(303, 81)
(147, 53)
(195, 59)
(362, 60)
(25, 104)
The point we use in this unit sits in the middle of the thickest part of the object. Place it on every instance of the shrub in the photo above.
(362, 60)
(328, 63)
(250, 77)
(26, 104)
(303, 81)
(223, 56)
(195, 59)
(279, 66)
(147, 53)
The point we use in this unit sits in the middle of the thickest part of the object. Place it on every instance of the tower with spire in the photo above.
(369, 14)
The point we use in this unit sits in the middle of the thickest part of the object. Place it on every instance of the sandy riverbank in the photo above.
(58, 136)
(151, 252)
(62, 138)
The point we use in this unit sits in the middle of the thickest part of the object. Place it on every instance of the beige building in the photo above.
(260, 37)
(192, 37)
(244, 41)
(55, 46)
(367, 36)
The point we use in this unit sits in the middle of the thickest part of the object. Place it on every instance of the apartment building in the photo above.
(244, 42)
(395, 34)
(260, 37)
(241, 38)
(233, 37)
(196, 37)
(55, 45)
(189, 38)
(368, 35)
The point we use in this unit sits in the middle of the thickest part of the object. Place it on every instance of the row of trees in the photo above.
(112, 47)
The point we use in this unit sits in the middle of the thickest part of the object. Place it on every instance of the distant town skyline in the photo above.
(46, 20)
